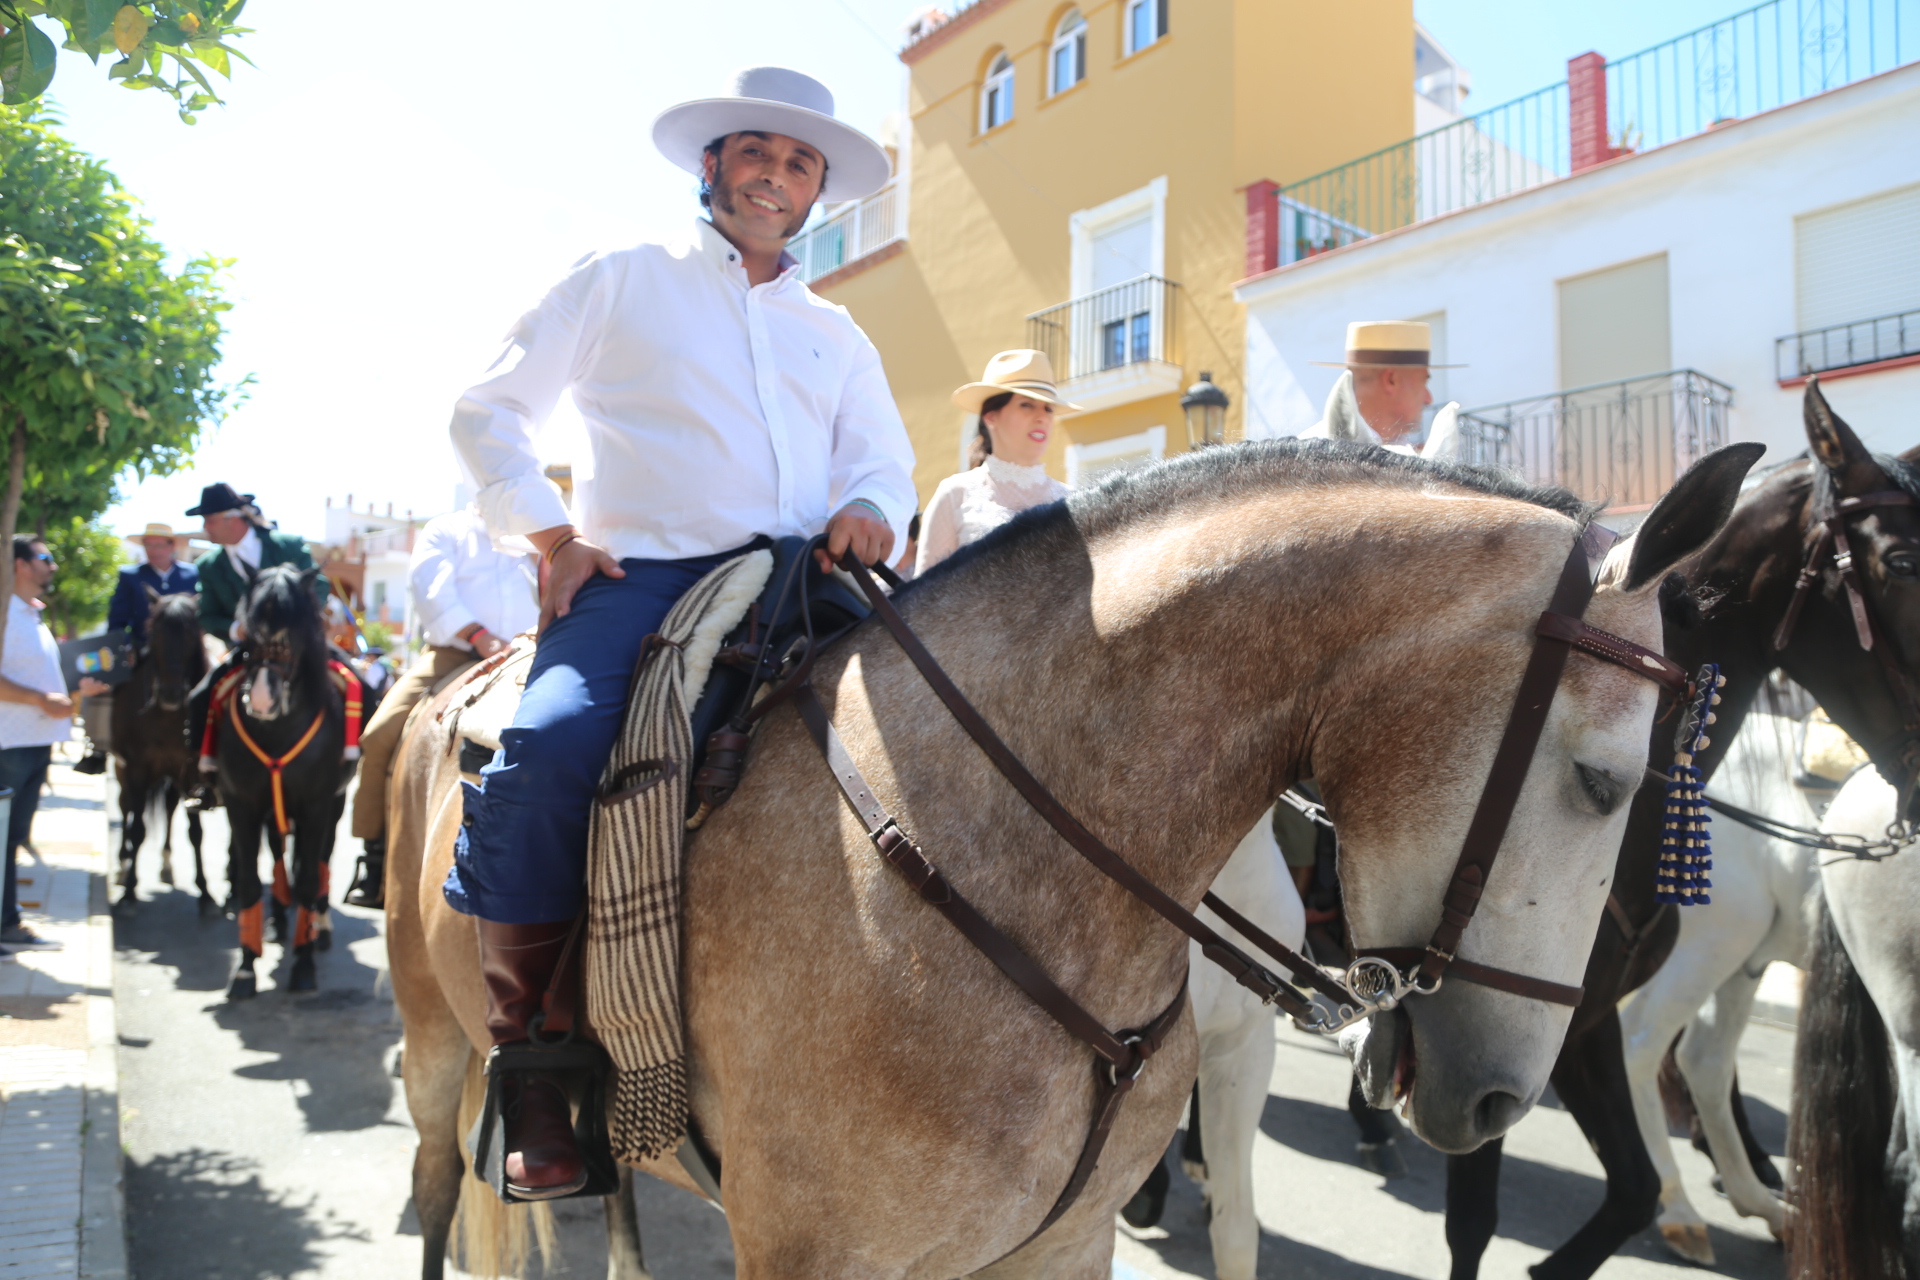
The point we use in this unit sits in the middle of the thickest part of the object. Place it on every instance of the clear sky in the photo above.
(398, 190)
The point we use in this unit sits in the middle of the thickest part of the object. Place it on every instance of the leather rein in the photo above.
(1377, 980)
(1867, 630)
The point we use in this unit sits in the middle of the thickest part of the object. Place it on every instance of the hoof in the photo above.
(208, 907)
(243, 987)
(1150, 1201)
(1382, 1158)
(127, 905)
(302, 977)
(323, 932)
(166, 874)
(1689, 1241)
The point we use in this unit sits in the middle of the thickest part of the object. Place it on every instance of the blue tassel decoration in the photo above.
(1686, 855)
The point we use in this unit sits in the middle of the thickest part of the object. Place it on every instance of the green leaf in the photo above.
(27, 59)
(99, 19)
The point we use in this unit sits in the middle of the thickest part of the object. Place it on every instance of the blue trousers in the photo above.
(521, 855)
(25, 770)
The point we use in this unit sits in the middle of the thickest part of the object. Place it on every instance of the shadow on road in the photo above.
(206, 1215)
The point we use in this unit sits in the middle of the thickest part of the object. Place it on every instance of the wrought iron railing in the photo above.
(1117, 326)
(1841, 346)
(852, 233)
(1621, 443)
(1760, 58)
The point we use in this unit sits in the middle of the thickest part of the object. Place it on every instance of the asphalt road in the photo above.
(270, 1139)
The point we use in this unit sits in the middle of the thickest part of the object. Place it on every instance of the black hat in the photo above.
(216, 498)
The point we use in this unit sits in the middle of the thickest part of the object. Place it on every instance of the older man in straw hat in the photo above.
(723, 400)
(1383, 394)
(162, 573)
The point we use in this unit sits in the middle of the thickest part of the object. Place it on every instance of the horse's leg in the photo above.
(623, 1233)
(167, 799)
(243, 881)
(133, 833)
(311, 845)
(207, 905)
(1591, 1079)
(1706, 1057)
(1235, 1070)
(282, 895)
(1473, 1207)
(1378, 1148)
(1757, 1156)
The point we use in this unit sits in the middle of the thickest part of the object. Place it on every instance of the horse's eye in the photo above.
(1599, 786)
(1903, 564)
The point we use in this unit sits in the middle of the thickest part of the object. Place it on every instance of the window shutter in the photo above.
(1160, 28)
(1859, 261)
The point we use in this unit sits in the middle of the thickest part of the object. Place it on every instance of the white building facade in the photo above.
(1714, 270)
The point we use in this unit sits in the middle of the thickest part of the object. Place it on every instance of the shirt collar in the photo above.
(247, 550)
(721, 253)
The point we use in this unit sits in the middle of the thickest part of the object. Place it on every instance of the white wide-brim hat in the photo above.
(776, 100)
(1023, 372)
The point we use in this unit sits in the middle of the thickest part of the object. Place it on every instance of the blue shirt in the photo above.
(128, 612)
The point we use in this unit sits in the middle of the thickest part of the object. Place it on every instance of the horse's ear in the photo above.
(1833, 442)
(1690, 513)
(153, 597)
(308, 575)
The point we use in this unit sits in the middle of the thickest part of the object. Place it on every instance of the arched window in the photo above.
(1145, 21)
(1067, 60)
(996, 98)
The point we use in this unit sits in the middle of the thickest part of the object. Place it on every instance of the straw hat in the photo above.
(1029, 373)
(1380, 344)
(181, 541)
(776, 100)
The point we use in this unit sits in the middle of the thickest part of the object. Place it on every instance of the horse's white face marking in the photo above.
(265, 694)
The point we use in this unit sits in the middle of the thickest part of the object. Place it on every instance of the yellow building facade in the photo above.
(1075, 178)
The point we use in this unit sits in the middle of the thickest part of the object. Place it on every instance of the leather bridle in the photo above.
(1376, 982)
(1867, 629)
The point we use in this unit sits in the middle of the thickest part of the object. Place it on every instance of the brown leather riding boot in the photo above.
(517, 961)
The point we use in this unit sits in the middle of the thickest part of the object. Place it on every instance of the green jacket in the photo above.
(223, 584)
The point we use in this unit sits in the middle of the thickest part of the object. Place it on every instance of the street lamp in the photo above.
(1206, 408)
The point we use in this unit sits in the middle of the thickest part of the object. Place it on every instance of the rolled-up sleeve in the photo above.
(436, 594)
(872, 457)
(494, 422)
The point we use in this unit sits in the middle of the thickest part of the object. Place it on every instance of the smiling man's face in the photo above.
(764, 185)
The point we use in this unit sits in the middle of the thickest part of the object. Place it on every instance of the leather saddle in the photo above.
(799, 612)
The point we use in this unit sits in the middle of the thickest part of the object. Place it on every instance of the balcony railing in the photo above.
(854, 232)
(1622, 443)
(1758, 59)
(1842, 346)
(1126, 324)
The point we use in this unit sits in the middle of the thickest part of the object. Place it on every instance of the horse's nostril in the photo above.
(1497, 1111)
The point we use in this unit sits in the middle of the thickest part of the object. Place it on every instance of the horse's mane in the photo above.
(280, 601)
(1227, 471)
(181, 609)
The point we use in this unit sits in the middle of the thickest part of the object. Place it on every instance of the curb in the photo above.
(103, 1206)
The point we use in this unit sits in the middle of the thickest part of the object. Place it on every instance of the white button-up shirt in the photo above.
(460, 579)
(715, 410)
(32, 661)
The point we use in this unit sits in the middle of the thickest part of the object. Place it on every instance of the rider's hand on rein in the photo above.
(856, 528)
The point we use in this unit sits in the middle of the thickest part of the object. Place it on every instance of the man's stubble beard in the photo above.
(723, 201)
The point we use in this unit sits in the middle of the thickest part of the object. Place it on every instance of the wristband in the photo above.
(554, 550)
(873, 507)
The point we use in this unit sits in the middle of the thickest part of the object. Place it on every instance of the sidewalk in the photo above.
(61, 1211)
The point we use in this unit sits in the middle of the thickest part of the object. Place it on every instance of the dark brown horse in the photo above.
(282, 728)
(1736, 592)
(152, 757)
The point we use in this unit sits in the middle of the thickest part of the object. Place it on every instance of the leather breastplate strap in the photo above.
(1123, 1054)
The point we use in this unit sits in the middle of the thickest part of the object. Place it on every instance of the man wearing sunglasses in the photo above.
(35, 713)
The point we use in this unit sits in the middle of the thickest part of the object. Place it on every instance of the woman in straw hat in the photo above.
(1016, 401)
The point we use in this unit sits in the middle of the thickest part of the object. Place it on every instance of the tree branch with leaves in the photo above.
(169, 45)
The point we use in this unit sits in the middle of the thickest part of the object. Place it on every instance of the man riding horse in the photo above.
(247, 544)
(724, 401)
(472, 600)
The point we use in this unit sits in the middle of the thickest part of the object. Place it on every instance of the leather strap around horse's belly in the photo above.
(1124, 1053)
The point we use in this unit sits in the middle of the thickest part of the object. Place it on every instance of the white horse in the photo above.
(1759, 914)
(1236, 1048)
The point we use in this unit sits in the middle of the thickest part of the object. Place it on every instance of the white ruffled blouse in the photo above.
(966, 507)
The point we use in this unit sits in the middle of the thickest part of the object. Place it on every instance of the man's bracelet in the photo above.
(871, 506)
(554, 550)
